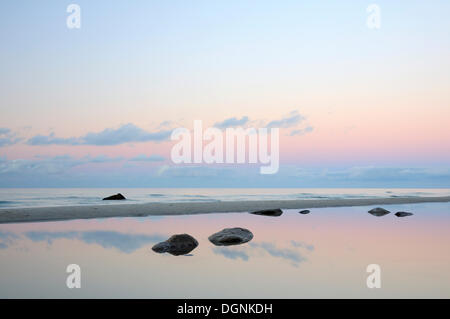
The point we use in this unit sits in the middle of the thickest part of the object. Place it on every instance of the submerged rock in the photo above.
(115, 197)
(403, 214)
(306, 211)
(268, 212)
(379, 212)
(231, 236)
(176, 245)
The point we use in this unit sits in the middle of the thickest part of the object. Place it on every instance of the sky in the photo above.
(95, 106)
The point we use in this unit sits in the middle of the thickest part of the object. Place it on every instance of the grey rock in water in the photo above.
(306, 211)
(231, 236)
(115, 197)
(379, 212)
(268, 212)
(176, 245)
(403, 214)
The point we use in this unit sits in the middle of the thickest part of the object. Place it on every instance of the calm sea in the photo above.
(46, 197)
(324, 254)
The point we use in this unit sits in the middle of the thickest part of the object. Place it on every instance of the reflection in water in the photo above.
(261, 248)
(126, 243)
(302, 244)
(284, 253)
(231, 253)
(323, 255)
(7, 239)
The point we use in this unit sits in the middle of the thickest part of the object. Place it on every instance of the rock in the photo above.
(115, 197)
(304, 212)
(403, 214)
(176, 245)
(231, 236)
(268, 212)
(379, 212)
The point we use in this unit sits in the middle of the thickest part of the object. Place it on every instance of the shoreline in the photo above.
(47, 214)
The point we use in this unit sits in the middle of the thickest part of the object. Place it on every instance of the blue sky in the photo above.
(95, 106)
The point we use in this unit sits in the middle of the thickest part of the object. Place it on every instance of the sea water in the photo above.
(324, 254)
(46, 197)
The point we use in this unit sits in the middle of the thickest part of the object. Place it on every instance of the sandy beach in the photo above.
(43, 214)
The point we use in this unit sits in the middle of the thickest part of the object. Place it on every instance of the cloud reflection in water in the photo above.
(126, 243)
(7, 239)
(253, 249)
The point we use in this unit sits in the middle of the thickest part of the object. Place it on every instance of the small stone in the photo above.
(115, 197)
(176, 245)
(306, 211)
(268, 212)
(379, 212)
(403, 214)
(231, 236)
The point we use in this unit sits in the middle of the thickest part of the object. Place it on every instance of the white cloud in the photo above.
(50, 165)
(151, 158)
(7, 137)
(303, 131)
(232, 122)
(111, 136)
(293, 119)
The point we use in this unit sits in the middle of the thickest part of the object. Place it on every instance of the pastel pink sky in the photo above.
(367, 97)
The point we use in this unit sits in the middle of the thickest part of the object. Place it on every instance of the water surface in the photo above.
(320, 255)
(46, 197)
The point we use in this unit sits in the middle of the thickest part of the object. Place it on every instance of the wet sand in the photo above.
(43, 214)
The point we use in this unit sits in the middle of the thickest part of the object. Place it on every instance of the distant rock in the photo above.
(115, 197)
(304, 212)
(379, 212)
(231, 236)
(403, 214)
(268, 212)
(176, 245)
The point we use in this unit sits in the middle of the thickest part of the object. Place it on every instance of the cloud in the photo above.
(161, 170)
(293, 119)
(67, 171)
(126, 243)
(44, 166)
(232, 122)
(151, 158)
(127, 133)
(50, 165)
(101, 159)
(7, 137)
(4, 141)
(165, 124)
(303, 131)
(380, 174)
(130, 133)
(194, 171)
(52, 140)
